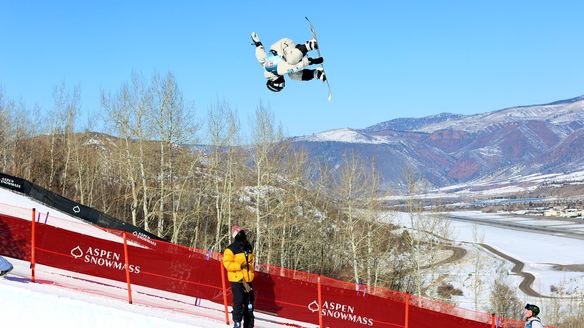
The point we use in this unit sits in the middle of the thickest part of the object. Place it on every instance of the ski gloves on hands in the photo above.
(255, 39)
(246, 287)
(318, 60)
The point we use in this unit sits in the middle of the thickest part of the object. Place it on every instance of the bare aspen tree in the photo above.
(129, 110)
(223, 128)
(414, 213)
(119, 110)
(54, 131)
(294, 210)
(265, 139)
(426, 236)
(174, 126)
(504, 300)
(138, 99)
(350, 190)
(232, 163)
(140, 102)
(67, 107)
(23, 130)
(371, 210)
(6, 107)
(478, 265)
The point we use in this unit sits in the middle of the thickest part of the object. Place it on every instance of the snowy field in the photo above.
(541, 254)
(27, 304)
(496, 186)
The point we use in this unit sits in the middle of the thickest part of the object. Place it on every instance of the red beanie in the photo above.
(235, 229)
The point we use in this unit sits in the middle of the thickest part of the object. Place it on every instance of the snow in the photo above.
(28, 304)
(539, 251)
(66, 304)
(490, 151)
(498, 186)
(525, 246)
(554, 113)
(345, 135)
(93, 142)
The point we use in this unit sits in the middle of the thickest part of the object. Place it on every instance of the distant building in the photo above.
(552, 212)
(564, 212)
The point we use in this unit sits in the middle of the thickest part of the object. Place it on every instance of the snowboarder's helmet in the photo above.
(276, 85)
(533, 308)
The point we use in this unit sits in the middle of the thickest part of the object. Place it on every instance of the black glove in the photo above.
(318, 60)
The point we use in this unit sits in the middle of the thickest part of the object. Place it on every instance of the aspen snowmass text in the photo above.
(106, 259)
(344, 312)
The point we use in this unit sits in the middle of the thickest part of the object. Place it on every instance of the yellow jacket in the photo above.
(233, 262)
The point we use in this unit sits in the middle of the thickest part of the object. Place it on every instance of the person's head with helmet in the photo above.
(276, 85)
(531, 312)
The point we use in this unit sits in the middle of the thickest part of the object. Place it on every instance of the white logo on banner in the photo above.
(76, 209)
(144, 237)
(313, 306)
(10, 182)
(77, 252)
(340, 311)
(103, 258)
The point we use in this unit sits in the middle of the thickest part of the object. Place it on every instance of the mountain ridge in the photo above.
(467, 147)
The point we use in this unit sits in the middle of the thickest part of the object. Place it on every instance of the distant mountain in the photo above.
(448, 148)
(412, 124)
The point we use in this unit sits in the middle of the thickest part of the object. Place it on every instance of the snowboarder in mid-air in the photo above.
(287, 58)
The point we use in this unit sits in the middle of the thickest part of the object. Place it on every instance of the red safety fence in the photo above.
(126, 261)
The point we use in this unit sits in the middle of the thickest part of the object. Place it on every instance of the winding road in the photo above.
(534, 227)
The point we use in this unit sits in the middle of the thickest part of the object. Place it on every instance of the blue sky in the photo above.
(385, 59)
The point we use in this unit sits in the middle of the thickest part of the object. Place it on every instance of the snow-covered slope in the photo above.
(344, 135)
(27, 304)
(557, 113)
(447, 149)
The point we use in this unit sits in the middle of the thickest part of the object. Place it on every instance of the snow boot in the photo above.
(311, 45)
(319, 74)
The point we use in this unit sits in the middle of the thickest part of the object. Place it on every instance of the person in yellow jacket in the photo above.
(238, 260)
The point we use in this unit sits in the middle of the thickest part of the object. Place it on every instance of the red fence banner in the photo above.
(122, 259)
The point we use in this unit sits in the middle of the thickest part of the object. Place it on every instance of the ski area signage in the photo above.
(179, 270)
(103, 258)
(340, 311)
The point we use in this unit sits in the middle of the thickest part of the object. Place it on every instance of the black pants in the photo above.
(241, 304)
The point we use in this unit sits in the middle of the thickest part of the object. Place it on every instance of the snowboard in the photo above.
(330, 93)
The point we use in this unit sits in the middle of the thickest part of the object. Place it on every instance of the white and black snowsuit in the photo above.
(285, 58)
